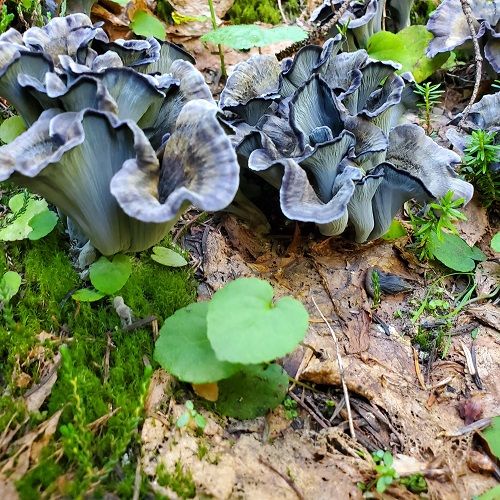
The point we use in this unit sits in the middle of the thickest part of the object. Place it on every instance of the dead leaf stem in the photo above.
(341, 371)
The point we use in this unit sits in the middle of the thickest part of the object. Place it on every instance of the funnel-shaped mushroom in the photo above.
(449, 26)
(102, 119)
(330, 143)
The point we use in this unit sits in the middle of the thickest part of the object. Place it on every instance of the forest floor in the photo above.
(408, 382)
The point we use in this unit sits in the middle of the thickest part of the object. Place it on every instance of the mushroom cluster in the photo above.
(449, 26)
(322, 128)
(122, 136)
(483, 115)
(365, 18)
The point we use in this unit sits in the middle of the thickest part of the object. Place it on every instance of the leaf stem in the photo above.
(214, 25)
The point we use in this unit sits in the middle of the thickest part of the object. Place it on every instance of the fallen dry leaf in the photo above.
(28, 448)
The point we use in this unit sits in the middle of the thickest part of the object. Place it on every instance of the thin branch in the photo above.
(478, 58)
(341, 370)
(314, 33)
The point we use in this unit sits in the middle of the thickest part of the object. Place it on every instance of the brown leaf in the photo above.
(488, 314)
(8, 489)
(29, 448)
(208, 391)
(470, 410)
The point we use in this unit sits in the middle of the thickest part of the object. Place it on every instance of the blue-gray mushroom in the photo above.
(122, 137)
(449, 26)
(327, 136)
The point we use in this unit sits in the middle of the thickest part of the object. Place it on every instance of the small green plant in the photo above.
(191, 418)
(376, 289)
(5, 19)
(433, 242)
(78, 439)
(9, 286)
(290, 406)
(431, 96)
(231, 340)
(495, 243)
(179, 480)
(480, 153)
(385, 473)
(107, 277)
(30, 218)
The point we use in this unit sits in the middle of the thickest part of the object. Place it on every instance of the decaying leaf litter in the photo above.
(400, 400)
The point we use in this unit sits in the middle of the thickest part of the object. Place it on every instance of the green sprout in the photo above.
(431, 97)
(480, 153)
(191, 416)
(385, 473)
(290, 408)
(440, 216)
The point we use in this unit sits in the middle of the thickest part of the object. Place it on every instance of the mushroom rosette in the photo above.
(323, 129)
(97, 111)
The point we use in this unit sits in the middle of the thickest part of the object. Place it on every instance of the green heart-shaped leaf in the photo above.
(495, 243)
(109, 276)
(252, 392)
(168, 257)
(245, 327)
(184, 350)
(20, 228)
(9, 285)
(42, 224)
(87, 295)
(454, 252)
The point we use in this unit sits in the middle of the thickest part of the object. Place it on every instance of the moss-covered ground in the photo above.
(44, 303)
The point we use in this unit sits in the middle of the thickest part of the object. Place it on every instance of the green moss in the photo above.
(266, 11)
(179, 481)
(44, 303)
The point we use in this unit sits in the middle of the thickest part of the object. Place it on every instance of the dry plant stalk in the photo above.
(341, 371)
(478, 59)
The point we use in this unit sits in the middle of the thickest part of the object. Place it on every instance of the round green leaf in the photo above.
(495, 243)
(19, 229)
(184, 350)
(252, 392)
(168, 257)
(145, 24)
(396, 230)
(246, 36)
(87, 295)
(9, 285)
(454, 252)
(109, 276)
(42, 224)
(11, 128)
(244, 326)
(406, 47)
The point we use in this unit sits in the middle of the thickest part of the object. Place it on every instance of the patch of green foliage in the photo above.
(230, 340)
(265, 11)
(421, 10)
(480, 153)
(432, 242)
(386, 475)
(43, 303)
(179, 480)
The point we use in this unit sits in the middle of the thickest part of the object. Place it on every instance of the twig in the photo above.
(137, 480)
(285, 478)
(309, 410)
(314, 33)
(106, 357)
(139, 323)
(417, 369)
(280, 7)
(341, 370)
(478, 58)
